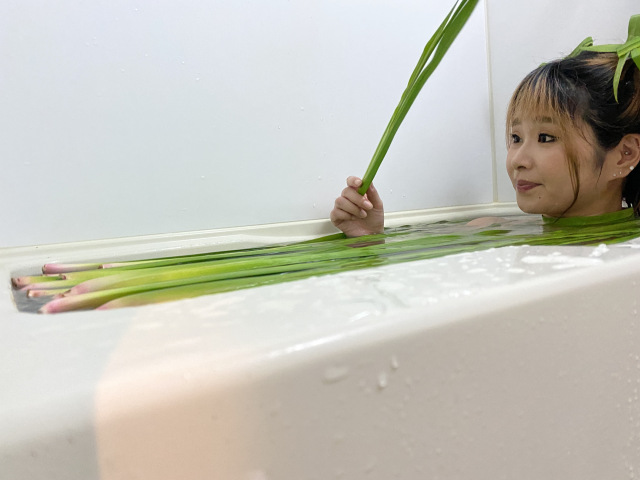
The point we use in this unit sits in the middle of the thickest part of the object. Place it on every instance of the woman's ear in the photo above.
(628, 152)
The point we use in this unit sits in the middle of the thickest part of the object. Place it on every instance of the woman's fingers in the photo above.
(374, 198)
(343, 204)
(354, 182)
(357, 214)
(354, 197)
(338, 216)
(371, 196)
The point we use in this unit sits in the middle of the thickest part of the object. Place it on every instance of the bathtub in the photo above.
(517, 362)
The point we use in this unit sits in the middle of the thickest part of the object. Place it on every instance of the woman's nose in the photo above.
(520, 158)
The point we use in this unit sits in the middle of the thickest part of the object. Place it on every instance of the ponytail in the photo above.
(614, 111)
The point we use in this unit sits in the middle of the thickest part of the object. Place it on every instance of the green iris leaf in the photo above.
(434, 50)
(628, 50)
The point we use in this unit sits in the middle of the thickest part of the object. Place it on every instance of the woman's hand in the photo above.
(357, 214)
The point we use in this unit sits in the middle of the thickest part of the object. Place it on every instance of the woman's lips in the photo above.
(525, 186)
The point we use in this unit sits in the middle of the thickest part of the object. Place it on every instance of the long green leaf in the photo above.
(440, 42)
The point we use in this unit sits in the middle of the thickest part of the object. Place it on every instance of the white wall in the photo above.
(122, 118)
(523, 34)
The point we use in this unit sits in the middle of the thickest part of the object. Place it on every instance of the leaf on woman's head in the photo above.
(625, 51)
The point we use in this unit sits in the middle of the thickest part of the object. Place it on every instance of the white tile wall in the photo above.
(123, 118)
(131, 118)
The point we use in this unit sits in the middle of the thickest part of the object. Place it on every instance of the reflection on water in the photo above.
(26, 304)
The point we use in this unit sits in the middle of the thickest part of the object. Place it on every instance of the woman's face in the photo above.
(539, 170)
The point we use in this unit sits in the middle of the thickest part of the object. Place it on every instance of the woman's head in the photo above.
(565, 112)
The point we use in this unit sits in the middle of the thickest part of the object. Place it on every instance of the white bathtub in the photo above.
(510, 363)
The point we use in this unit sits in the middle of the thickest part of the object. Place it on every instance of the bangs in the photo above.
(544, 97)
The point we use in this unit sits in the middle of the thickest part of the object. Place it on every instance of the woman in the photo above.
(573, 137)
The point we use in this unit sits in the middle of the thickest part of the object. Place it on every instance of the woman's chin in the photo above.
(526, 207)
(540, 211)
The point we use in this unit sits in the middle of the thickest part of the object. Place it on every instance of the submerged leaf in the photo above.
(138, 283)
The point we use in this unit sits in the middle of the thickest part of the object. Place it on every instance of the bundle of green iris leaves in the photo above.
(140, 282)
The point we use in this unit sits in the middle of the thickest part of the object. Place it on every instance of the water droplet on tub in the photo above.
(257, 475)
(383, 381)
(335, 373)
(394, 362)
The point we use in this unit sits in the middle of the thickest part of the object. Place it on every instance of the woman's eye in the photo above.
(546, 138)
(515, 138)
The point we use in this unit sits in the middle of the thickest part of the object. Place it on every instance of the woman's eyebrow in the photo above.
(545, 120)
(538, 120)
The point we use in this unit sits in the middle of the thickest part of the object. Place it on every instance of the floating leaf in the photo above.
(157, 280)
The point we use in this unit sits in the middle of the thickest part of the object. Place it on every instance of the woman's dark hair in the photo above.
(577, 92)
